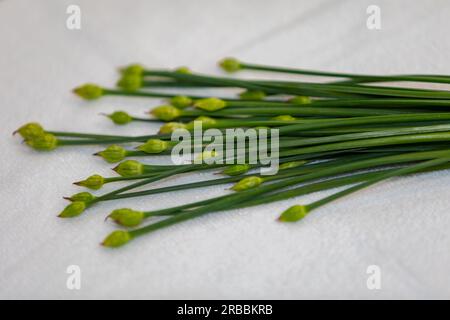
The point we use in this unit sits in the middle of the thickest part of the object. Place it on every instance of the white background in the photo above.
(401, 225)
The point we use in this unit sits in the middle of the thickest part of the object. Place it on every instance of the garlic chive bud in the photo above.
(292, 164)
(236, 169)
(130, 82)
(93, 182)
(294, 213)
(184, 70)
(252, 95)
(285, 117)
(113, 154)
(127, 217)
(43, 142)
(120, 117)
(116, 239)
(230, 65)
(166, 112)
(210, 104)
(206, 121)
(133, 69)
(85, 197)
(30, 130)
(89, 91)
(72, 210)
(181, 102)
(154, 146)
(247, 183)
(300, 100)
(129, 168)
(170, 127)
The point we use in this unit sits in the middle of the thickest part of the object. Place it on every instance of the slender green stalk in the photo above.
(309, 89)
(228, 201)
(298, 212)
(358, 78)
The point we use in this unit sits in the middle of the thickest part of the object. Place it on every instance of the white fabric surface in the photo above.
(401, 225)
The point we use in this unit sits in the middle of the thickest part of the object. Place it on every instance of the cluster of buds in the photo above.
(36, 137)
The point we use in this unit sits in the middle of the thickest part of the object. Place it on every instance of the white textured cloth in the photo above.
(402, 225)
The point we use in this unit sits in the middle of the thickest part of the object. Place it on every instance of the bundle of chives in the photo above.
(330, 134)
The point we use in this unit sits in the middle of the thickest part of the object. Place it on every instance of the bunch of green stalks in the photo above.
(346, 133)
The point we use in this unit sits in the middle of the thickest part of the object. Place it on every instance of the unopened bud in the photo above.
(130, 82)
(127, 217)
(230, 65)
(85, 197)
(129, 168)
(74, 209)
(120, 117)
(30, 130)
(247, 183)
(181, 102)
(133, 69)
(184, 70)
(89, 91)
(210, 104)
(113, 154)
(166, 112)
(236, 169)
(116, 239)
(154, 146)
(93, 182)
(43, 142)
(294, 213)
(170, 127)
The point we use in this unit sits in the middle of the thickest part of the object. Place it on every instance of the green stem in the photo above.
(411, 169)
(359, 77)
(228, 201)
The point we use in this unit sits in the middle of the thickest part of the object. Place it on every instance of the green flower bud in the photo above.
(85, 197)
(236, 169)
(116, 239)
(120, 117)
(230, 65)
(93, 182)
(184, 70)
(113, 154)
(292, 164)
(300, 100)
(154, 146)
(129, 168)
(294, 213)
(252, 95)
(248, 183)
(133, 69)
(170, 127)
(210, 104)
(30, 130)
(130, 82)
(181, 102)
(127, 217)
(43, 142)
(166, 112)
(208, 121)
(72, 210)
(285, 117)
(89, 91)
